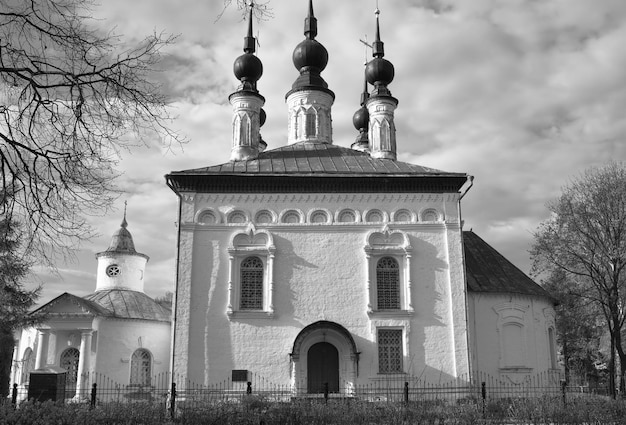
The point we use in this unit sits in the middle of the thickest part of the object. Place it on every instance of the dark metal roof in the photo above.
(126, 304)
(488, 271)
(315, 167)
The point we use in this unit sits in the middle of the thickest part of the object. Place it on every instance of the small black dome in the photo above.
(379, 71)
(361, 118)
(248, 68)
(310, 53)
(262, 117)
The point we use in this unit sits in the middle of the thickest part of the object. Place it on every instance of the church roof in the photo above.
(86, 306)
(312, 167)
(123, 303)
(115, 303)
(488, 271)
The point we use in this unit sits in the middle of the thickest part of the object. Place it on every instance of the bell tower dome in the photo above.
(120, 266)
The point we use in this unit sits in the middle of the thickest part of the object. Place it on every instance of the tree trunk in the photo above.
(7, 342)
(612, 367)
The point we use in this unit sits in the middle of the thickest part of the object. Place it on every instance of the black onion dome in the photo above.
(248, 68)
(379, 71)
(310, 53)
(361, 118)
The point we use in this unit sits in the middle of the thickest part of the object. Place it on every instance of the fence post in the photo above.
(173, 400)
(483, 393)
(564, 391)
(406, 392)
(249, 388)
(326, 392)
(14, 395)
(94, 392)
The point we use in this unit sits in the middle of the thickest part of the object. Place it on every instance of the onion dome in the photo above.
(248, 68)
(379, 71)
(310, 57)
(262, 118)
(122, 240)
(360, 120)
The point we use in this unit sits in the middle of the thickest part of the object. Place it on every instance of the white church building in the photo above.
(117, 333)
(315, 263)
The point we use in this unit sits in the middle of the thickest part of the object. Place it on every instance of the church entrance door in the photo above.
(322, 367)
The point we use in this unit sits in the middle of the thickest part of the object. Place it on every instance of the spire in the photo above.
(122, 240)
(246, 101)
(309, 100)
(381, 104)
(124, 222)
(310, 23)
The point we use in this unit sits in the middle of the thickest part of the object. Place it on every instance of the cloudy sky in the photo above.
(521, 94)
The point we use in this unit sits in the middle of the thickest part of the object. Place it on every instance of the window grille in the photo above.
(237, 217)
(264, 217)
(291, 217)
(140, 367)
(69, 362)
(388, 284)
(252, 284)
(390, 350)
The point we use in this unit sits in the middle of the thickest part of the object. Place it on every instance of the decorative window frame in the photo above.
(510, 313)
(244, 244)
(231, 213)
(339, 213)
(265, 211)
(394, 216)
(311, 213)
(383, 215)
(289, 211)
(395, 244)
(204, 211)
(425, 213)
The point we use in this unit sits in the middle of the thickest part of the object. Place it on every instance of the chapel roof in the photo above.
(488, 271)
(127, 304)
(313, 162)
(114, 303)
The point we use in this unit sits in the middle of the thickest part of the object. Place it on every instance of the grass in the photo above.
(254, 410)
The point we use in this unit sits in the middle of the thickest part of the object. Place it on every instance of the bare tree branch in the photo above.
(72, 99)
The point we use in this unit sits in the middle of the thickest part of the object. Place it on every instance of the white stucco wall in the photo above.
(118, 340)
(531, 317)
(320, 273)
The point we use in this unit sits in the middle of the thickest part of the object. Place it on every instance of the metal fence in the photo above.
(172, 392)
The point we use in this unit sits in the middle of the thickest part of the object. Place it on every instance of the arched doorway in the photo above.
(324, 352)
(322, 368)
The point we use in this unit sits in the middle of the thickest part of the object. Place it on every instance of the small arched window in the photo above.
(28, 364)
(140, 367)
(69, 362)
(388, 284)
(251, 284)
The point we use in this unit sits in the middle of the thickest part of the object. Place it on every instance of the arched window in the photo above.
(28, 364)
(140, 367)
(69, 362)
(552, 348)
(251, 284)
(388, 284)
(309, 123)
